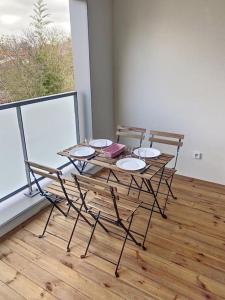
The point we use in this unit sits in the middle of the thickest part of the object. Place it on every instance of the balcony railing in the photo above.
(35, 129)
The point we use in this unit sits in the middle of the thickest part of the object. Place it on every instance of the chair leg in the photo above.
(108, 176)
(75, 224)
(170, 190)
(67, 213)
(167, 197)
(138, 186)
(129, 234)
(92, 233)
(114, 175)
(130, 185)
(165, 204)
(100, 223)
(121, 252)
(139, 193)
(147, 228)
(160, 180)
(79, 212)
(46, 225)
(150, 189)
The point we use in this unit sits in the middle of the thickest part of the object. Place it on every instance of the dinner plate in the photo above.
(82, 151)
(130, 164)
(147, 152)
(100, 143)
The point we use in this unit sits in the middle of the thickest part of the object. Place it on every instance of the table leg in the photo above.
(114, 175)
(80, 171)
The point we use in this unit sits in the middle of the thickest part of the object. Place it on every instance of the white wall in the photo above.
(80, 46)
(170, 75)
(101, 54)
(91, 28)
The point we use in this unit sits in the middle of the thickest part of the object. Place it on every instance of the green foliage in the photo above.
(40, 20)
(38, 63)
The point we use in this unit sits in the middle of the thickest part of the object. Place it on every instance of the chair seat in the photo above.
(167, 174)
(95, 203)
(56, 189)
(126, 206)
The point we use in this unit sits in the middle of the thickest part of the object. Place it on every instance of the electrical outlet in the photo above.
(197, 155)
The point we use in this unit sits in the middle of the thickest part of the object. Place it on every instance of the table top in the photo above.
(156, 165)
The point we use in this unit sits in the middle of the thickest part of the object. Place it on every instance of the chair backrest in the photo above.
(98, 187)
(167, 138)
(44, 171)
(130, 133)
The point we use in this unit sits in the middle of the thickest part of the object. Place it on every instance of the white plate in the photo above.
(130, 164)
(82, 151)
(147, 152)
(101, 143)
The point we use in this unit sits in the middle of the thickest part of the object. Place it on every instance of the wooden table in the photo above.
(156, 166)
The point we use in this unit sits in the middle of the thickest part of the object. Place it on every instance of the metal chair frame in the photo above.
(56, 175)
(135, 133)
(167, 138)
(172, 139)
(104, 189)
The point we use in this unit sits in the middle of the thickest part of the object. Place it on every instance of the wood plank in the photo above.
(44, 168)
(41, 277)
(21, 284)
(131, 128)
(141, 284)
(129, 135)
(137, 263)
(190, 259)
(185, 257)
(165, 141)
(167, 134)
(169, 280)
(63, 270)
(6, 293)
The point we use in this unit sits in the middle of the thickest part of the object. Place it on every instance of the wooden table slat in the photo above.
(156, 164)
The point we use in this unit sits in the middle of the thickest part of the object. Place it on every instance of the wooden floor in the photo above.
(185, 258)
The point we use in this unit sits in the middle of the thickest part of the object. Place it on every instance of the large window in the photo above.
(35, 49)
(35, 61)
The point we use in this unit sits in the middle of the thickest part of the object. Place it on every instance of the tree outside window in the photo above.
(38, 62)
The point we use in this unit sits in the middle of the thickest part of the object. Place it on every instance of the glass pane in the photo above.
(49, 127)
(36, 37)
(12, 175)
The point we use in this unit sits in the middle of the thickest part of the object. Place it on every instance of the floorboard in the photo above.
(185, 257)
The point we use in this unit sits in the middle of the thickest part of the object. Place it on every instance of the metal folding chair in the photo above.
(126, 133)
(56, 191)
(108, 205)
(131, 133)
(166, 176)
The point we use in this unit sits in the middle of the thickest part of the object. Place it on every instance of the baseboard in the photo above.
(197, 180)
(22, 217)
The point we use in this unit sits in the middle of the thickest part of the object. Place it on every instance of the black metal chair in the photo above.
(126, 133)
(57, 191)
(167, 174)
(106, 204)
